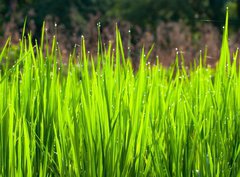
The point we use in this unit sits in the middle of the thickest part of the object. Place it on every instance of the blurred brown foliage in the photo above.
(168, 38)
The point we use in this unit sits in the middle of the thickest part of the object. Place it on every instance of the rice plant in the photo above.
(102, 118)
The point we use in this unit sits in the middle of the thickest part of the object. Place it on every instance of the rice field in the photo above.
(97, 116)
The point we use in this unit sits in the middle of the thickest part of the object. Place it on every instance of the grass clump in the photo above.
(104, 119)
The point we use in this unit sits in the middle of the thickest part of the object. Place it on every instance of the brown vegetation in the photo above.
(168, 38)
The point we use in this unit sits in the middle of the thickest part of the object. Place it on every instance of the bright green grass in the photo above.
(104, 119)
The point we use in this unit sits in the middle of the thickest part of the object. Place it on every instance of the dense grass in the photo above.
(101, 118)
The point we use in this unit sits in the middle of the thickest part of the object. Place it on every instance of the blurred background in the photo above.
(187, 26)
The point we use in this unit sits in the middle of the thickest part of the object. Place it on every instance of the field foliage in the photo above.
(97, 116)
